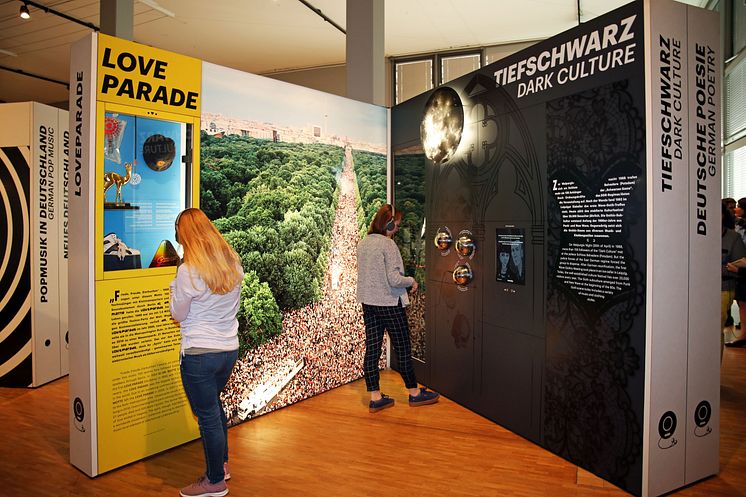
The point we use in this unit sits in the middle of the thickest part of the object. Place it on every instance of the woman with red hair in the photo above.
(382, 290)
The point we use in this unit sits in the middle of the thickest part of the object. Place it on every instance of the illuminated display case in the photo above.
(134, 167)
(147, 166)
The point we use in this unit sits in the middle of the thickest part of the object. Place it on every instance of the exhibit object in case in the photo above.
(587, 167)
(136, 122)
(34, 174)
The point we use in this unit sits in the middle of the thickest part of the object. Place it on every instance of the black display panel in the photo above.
(547, 164)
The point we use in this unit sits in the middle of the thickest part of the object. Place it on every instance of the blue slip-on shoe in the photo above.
(383, 403)
(425, 397)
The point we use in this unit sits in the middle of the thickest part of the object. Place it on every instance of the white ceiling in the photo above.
(266, 36)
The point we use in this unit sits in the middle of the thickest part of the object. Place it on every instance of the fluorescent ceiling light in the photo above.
(154, 5)
(8, 52)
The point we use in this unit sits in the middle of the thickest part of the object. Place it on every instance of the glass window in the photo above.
(498, 52)
(412, 78)
(739, 27)
(451, 67)
(734, 177)
(735, 101)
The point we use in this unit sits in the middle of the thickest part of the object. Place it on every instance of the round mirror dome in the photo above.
(443, 239)
(465, 245)
(442, 125)
(462, 275)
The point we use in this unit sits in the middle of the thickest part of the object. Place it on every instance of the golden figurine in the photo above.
(112, 178)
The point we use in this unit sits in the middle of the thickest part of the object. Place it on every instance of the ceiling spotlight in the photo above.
(24, 12)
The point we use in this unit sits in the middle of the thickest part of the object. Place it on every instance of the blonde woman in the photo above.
(204, 299)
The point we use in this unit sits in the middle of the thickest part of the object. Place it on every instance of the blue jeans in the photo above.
(204, 376)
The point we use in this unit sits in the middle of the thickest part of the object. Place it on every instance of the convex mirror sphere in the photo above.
(443, 239)
(465, 245)
(462, 275)
(442, 125)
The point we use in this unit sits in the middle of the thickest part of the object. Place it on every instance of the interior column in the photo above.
(366, 69)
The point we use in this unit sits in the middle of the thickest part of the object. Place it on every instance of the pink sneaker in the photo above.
(225, 470)
(203, 488)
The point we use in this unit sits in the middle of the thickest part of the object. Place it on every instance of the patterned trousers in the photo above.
(377, 320)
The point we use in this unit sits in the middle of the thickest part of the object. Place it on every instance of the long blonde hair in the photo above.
(206, 252)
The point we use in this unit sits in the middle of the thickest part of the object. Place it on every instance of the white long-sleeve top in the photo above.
(208, 320)
(380, 278)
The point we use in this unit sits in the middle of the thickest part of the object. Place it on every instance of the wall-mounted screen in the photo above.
(511, 264)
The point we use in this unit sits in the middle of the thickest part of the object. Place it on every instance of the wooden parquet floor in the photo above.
(331, 446)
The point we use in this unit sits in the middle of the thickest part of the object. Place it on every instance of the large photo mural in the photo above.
(291, 177)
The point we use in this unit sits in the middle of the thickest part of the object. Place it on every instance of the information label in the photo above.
(141, 402)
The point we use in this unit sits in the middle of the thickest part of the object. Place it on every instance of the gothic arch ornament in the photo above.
(488, 144)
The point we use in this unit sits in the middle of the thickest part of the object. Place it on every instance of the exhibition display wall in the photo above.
(566, 190)
(290, 176)
(34, 174)
(134, 120)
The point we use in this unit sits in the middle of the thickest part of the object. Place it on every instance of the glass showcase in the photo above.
(147, 167)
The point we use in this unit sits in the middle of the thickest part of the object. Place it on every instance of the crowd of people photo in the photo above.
(329, 335)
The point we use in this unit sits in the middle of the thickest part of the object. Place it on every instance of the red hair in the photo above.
(384, 216)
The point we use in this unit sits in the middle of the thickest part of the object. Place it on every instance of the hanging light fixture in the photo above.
(47, 10)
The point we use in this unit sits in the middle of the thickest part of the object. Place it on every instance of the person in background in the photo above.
(738, 268)
(204, 299)
(733, 249)
(740, 215)
(730, 204)
(382, 291)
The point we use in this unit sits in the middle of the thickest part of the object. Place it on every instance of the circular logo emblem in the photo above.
(667, 425)
(702, 413)
(78, 409)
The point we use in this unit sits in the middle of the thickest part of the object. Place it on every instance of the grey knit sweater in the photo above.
(380, 279)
